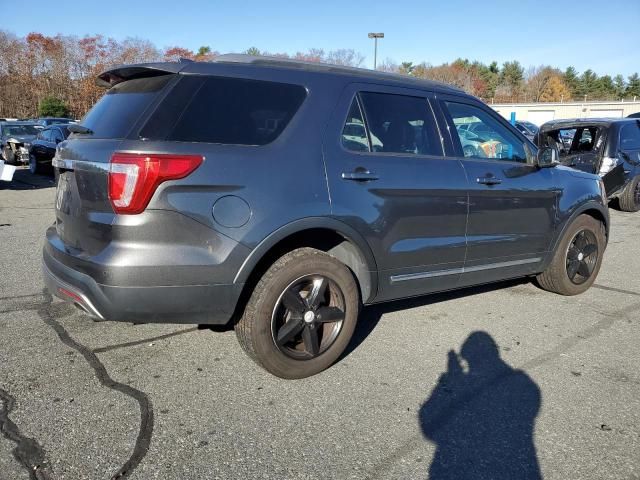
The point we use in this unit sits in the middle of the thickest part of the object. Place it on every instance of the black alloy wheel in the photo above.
(582, 257)
(308, 317)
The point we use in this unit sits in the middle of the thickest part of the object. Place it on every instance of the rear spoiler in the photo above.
(121, 73)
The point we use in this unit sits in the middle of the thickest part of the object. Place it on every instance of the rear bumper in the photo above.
(202, 304)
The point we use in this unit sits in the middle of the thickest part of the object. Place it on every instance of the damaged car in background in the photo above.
(15, 140)
(607, 147)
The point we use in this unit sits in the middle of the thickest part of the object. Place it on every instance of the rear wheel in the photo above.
(301, 314)
(577, 260)
(629, 200)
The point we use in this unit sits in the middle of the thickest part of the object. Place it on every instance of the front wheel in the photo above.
(577, 260)
(33, 164)
(301, 314)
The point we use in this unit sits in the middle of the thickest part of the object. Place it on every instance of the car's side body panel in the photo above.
(423, 225)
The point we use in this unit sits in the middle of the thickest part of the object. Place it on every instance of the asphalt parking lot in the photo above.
(549, 383)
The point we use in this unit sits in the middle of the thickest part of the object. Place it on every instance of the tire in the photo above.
(292, 279)
(629, 199)
(34, 168)
(584, 242)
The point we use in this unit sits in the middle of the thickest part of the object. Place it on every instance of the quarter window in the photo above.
(354, 133)
(482, 136)
(225, 110)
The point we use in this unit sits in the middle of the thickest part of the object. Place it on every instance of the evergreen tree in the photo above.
(619, 86)
(605, 89)
(633, 86)
(589, 83)
(572, 81)
(203, 50)
(53, 107)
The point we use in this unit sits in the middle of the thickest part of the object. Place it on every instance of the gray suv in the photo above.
(283, 196)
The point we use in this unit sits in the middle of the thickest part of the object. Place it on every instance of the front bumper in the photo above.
(201, 304)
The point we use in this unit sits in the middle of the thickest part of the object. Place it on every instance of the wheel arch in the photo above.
(593, 209)
(327, 234)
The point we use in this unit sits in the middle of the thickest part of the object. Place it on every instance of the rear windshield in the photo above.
(119, 108)
(225, 110)
(18, 130)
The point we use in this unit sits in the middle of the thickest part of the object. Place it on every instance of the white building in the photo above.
(540, 113)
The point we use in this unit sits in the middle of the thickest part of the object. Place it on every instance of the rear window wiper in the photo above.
(77, 128)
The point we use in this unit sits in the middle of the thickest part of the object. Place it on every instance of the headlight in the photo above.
(608, 164)
(26, 145)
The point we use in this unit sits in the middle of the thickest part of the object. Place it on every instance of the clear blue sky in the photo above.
(603, 35)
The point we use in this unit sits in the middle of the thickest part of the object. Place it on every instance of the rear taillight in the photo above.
(134, 177)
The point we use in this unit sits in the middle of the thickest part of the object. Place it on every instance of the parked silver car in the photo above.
(15, 140)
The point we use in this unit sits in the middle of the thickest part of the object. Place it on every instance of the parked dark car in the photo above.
(43, 148)
(528, 129)
(634, 115)
(608, 147)
(15, 140)
(48, 121)
(235, 190)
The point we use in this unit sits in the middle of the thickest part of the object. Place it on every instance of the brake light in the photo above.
(134, 177)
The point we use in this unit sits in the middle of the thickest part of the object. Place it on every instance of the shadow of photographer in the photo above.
(481, 418)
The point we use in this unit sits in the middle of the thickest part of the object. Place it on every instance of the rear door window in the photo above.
(225, 110)
(118, 110)
(400, 124)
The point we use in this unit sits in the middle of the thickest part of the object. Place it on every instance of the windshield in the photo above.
(19, 130)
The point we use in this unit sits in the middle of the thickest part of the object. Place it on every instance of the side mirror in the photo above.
(547, 157)
(58, 140)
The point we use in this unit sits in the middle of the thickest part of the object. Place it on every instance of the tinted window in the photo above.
(119, 108)
(56, 135)
(46, 135)
(226, 110)
(532, 127)
(630, 136)
(400, 124)
(483, 136)
(354, 134)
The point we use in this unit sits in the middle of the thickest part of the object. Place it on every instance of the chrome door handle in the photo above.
(489, 180)
(360, 176)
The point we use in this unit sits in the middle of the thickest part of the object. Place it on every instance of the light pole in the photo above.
(375, 37)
